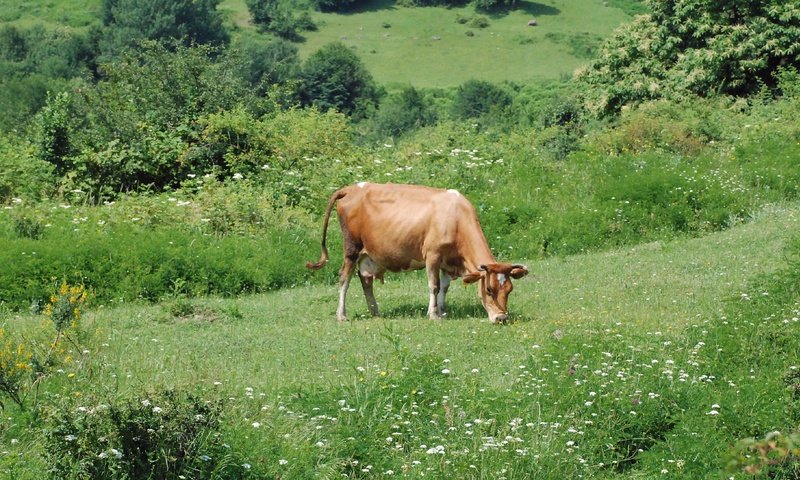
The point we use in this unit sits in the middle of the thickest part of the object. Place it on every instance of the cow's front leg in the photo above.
(366, 284)
(434, 285)
(345, 274)
(444, 285)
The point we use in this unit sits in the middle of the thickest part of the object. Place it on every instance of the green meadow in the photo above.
(159, 201)
(427, 47)
(608, 353)
(423, 47)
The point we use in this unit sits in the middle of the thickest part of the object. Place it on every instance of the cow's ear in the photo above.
(518, 271)
(472, 277)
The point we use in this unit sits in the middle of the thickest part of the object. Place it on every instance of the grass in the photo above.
(389, 38)
(282, 361)
(426, 47)
(69, 13)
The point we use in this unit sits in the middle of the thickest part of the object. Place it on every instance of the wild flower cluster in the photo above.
(15, 366)
(64, 309)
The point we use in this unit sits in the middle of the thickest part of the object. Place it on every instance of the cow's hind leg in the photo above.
(345, 274)
(444, 285)
(366, 283)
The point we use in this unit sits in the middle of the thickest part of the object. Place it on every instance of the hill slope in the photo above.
(592, 360)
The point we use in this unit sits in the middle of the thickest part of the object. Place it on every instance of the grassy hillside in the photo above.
(424, 47)
(587, 375)
(70, 13)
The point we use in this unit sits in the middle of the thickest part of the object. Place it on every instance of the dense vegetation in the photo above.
(158, 155)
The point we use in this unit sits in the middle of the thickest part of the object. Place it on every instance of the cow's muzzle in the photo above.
(501, 318)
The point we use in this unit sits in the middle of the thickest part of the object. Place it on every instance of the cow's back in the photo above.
(399, 225)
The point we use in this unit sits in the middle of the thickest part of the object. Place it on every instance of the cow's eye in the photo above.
(490, 291)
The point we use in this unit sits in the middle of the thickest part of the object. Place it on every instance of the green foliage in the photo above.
(34, 61)
(476, 98)
(160, 435)
(16, 369)
(130, 250)
(402, 112)
(53, 143)
(22, 175)
(277, 16)
(130, 22)
(337, 5)
(334, 77)
(493, 4)
(265, 61)
(478, 21)
(138, 126)
(693, 47)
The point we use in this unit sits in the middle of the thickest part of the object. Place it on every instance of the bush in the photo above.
(692, 48)
(136, 128)
(169, 434)
(140, 248)
(476, 98)
(127, 23)
(22, 175)
(333, 77)
(264, 61)
(402, 112)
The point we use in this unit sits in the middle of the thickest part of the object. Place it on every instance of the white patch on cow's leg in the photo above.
(444, 284)
(340, 311)
(345, 274)
(366, 284)
(434, 285)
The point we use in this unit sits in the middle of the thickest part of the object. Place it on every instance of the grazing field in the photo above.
(423, 47)
(428, 47)
(67, 13)
(610, 370)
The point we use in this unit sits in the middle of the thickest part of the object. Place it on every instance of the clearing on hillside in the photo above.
(431, 47)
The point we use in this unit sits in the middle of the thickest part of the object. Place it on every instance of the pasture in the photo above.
(423, 47)
(427, 47)
(609, 370)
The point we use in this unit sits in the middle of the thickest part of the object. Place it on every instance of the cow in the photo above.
(398, 227)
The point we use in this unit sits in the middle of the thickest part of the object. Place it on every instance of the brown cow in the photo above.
(403, 227)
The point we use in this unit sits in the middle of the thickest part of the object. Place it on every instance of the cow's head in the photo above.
(495, 285)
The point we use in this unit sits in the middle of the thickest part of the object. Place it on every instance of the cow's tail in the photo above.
(323, 259)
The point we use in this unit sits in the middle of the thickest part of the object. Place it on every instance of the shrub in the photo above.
(692, 48)
(334, 77)
(265, 61)
(168, 434)
(478, 21)
(135, 129)
(402, 112)
(476, 98)
(130, 22)
(22, 175)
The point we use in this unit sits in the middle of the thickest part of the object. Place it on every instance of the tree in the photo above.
(266, 61)
(476, 98)
(141, 125)
(694, 47)
(403, 112)
(336, 5)
(129, 22)
(277, 16)
(333, 77)
(491, 4)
